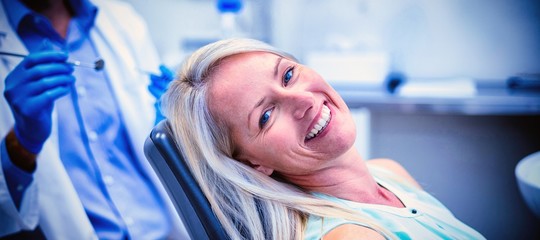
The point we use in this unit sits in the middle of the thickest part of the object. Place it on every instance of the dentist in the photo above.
(72, 165)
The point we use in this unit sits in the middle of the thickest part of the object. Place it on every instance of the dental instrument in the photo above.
(98, 64)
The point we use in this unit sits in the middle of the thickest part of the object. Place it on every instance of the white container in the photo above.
(528, 178)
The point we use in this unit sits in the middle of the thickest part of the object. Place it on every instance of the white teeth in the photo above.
(325, 115)
(321, 124)
(326, 109)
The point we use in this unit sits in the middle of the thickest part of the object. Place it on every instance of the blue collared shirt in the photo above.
(118, 197)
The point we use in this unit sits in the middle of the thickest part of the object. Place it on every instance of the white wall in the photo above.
(179, 25)
(425, 38)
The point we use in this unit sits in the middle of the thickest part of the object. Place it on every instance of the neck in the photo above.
(57, 11)
(348, 178)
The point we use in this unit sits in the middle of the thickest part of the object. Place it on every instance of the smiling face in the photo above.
(282, 116)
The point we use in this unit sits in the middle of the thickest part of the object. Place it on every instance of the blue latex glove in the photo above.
(158, 86)
(31, 89)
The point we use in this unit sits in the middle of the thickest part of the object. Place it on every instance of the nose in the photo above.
(299, 102)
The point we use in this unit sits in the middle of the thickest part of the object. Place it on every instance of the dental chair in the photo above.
(189, 201)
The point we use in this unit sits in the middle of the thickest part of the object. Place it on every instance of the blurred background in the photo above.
(451, 89)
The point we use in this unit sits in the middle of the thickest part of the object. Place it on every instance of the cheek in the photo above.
(275, 146)
(279, 140)
(268, 148)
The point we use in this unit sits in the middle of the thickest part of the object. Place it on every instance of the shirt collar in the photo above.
(85, 12)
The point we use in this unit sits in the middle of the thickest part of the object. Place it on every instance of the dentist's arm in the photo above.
(31, 90)
(18, 155)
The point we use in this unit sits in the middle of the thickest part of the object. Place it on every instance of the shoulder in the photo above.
(393, 167)
(352, 231)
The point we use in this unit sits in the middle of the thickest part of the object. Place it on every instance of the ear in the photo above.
(265, 170)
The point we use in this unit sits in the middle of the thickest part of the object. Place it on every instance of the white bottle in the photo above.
(229, 10)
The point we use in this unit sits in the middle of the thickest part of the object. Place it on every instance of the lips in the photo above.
(321, 123)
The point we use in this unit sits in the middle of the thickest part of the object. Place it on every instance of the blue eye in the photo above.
(288, 75)
(264, 118)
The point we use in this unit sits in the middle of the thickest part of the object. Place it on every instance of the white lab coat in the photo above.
(122, 40)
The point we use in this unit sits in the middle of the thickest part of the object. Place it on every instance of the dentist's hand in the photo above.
(31, 89)
(158, 86)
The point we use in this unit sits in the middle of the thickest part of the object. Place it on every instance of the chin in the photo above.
(344, 138)
(345, 143)
(335, 143)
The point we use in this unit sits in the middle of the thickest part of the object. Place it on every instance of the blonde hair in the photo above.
(249, 204)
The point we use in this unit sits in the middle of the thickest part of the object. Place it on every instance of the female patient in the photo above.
(271, 144)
